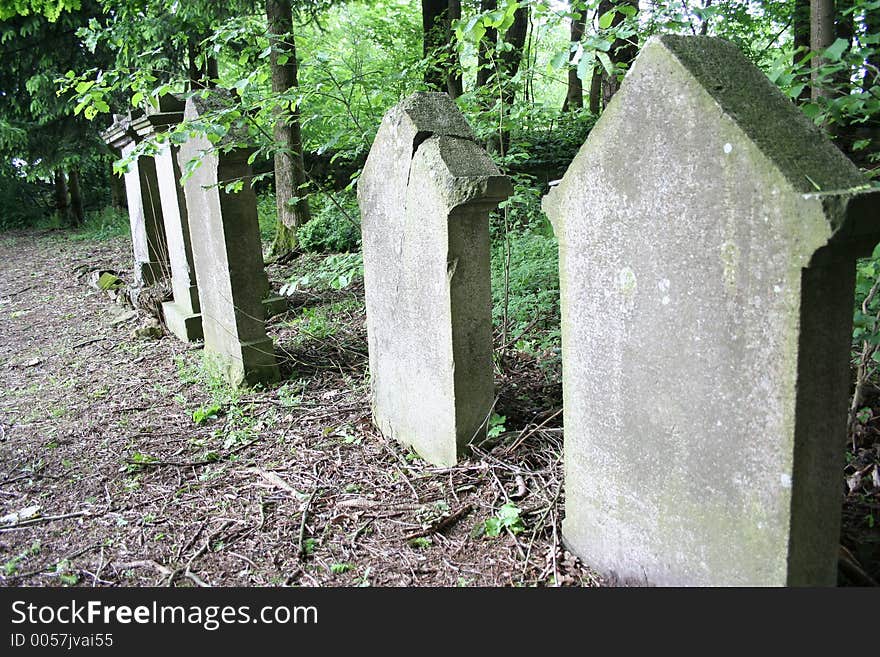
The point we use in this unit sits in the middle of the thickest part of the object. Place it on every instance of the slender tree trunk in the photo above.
(822, 35)
(704, 28)
(512, 57)
(78, 217)
(872, 70)
(485, 65)
(454, 85)
(622, 52)
(290, 177)
(202, 75)
(62, 207)
(596, 90)
(117, 192)
(801, 27)
(510, 60)
(843, 130)
(574, 97)
(433, 41)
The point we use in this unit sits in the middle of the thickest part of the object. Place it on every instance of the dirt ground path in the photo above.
(122, 463)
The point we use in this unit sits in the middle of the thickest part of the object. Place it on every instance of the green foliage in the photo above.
(534, 284)
(204, 413)
(332, 229)
(507, 518)
(496, 426)
(866, 328)
(335, 272)
(11, 566)
(267, 214)
(101, 225)
(138, 461)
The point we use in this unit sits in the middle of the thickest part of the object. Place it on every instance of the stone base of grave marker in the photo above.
(182, 322)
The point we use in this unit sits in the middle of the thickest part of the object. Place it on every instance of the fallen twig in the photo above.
(442, 523)
(42, 519)
(300, 549)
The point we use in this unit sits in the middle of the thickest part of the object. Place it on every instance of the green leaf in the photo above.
(606, 62)
(585, 68)
(812, 110)
(606, 19)
(559, 60)
(493, 526)
(835, 50)
(137, 98)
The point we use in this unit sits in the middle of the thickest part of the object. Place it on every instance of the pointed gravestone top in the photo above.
(776, 126)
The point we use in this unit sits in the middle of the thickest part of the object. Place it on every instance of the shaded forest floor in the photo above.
(122, 462)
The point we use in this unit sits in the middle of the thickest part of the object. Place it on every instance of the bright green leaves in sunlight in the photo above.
(51, 9)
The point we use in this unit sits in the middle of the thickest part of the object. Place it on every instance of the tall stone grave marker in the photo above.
(144, 206)
(182, 315)
(707, 235)
(228, 259)
(425, 195)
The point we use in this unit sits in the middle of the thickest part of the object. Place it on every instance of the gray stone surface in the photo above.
(425, 194)
(144, 207)
(707, 235)
(228, 260)
(182, 315)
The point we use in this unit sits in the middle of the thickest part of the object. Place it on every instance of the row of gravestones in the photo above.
(707, 237)
(205, 236)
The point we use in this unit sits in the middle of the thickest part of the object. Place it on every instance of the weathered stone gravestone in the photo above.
(425, 194)
(228, 259)
(707, 235)
(144, 207)
(182, 315)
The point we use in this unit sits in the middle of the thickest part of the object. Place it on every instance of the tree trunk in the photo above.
(872, 70)
(454, 85)
(511, 58)
(485, 52)
(78, 217)
(704, 28)
(202, 75)
(801, 23)
(622, 52)
(822, 35)
(509, 63)
(290, 177)
(117, 191)
(596, 90)
(574, 97)
(434, 40)
(61, 205)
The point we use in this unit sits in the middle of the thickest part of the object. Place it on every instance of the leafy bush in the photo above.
(534, 284)
(331, 230)
(21, 200)
(103, 224)
(335, 272)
